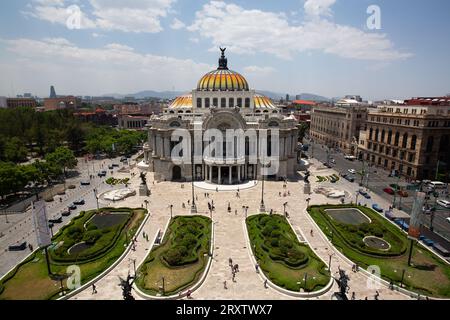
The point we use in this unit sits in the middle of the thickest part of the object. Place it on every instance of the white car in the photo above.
(443, 203)
(447, 219)
(352, 171)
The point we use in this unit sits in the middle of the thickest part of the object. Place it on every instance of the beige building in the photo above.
(338, 127)
(411, 138)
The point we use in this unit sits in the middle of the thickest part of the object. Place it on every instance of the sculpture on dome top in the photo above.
(222, 60)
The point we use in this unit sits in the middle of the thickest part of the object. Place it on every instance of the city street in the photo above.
(20, 227)
(378, 179)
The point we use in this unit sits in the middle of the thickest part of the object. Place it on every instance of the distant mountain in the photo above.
(173, 94)
(147, 94)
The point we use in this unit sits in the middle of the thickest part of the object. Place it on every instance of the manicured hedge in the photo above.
(280, 255)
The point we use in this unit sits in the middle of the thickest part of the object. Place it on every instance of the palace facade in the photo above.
(222, 101)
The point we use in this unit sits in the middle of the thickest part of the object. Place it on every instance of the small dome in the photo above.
(182, 102)
(222, 79)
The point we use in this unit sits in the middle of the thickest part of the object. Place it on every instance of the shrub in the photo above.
(274, 243)
(91, 227)
(90, 237)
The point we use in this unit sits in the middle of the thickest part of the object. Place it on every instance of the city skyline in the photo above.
(323, 47)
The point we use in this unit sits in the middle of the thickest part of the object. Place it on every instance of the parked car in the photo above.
(65, 213)
(349, 178)
(447, 219)
(79, 202)
(55, 220)
(389, 191)
(333, 161)
(443, 203)
(115, 165)
(72, 207)
(85, 183)
(102, 174)
(364, 194)
(352, 171)
(376, 207)
(110, 167)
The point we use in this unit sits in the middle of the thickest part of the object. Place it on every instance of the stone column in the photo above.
(239, 173)
(166, 147)
(210, 173)
(230, 175)
(219, 174)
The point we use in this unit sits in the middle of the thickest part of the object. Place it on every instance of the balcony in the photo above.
(224, 160)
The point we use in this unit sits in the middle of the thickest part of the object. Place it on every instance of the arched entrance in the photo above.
(176, 173)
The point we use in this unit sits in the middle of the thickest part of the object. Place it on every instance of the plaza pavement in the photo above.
(230, 239)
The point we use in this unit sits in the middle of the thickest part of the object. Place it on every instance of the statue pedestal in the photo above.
(143, 190)
(307, 188)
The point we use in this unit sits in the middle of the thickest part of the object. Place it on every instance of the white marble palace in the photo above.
(222, 100)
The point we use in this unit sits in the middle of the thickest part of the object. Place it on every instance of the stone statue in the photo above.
(143, 178)
(126, 287)
(223, 51)
(343, 285)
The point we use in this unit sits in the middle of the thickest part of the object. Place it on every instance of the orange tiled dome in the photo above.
(222, 80)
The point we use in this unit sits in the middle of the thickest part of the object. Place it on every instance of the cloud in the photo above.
(77, 70)
(177, 24)
(318, 7)
(251, 31)
(138, 16)
(259, 70)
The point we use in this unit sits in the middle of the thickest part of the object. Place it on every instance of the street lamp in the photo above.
(262, 207)
(329, 261)
(96, 197)
(193, 206)
(245, 210)
(171, 215)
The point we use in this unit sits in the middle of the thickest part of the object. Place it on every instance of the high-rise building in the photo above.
(411, 139)
(287, 97)
(52, 92)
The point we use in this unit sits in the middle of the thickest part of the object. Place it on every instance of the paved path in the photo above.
(230, 240)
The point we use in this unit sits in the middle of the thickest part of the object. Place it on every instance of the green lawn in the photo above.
(30, 280)
(180, 259)
(282, 258)
(428, 274)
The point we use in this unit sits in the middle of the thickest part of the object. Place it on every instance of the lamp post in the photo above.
(245, 210)
(329, 261)
(193, 206)
(284, 207)
(146, 204)
(262, 207)
(96, 197)
(171, 214)
(403, 276)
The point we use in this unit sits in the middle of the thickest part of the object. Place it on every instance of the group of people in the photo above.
(284, 194)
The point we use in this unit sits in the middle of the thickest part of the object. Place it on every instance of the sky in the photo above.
(379, 49)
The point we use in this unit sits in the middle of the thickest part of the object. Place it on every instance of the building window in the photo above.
(411, 157)
(215, 102)
(223, 102)
(376, 134)
(394, 153)
(405, 141)
(397, 138)
(231, 102)
(247, 102)
(207, 103)
(383, 133)
(199, 102)
(239, 102)
(389, 140)
(385, 163)
(370, 134)
(430, 142)
(413, 142)
(408, 171)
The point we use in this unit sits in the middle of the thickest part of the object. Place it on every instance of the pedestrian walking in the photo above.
(235, 212)
(188, 294)
(265, 283)
(234, 276)
(257, 267)
(353, 295)
(312, 233)
(279, 193)
(236, 268)
(377, 294)
(217, 189)
(225, 284)
(94, 289)
(230, 262)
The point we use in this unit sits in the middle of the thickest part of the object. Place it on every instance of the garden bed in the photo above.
(180, 259)
(428, 274)
(30, 280)
(282, 258)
